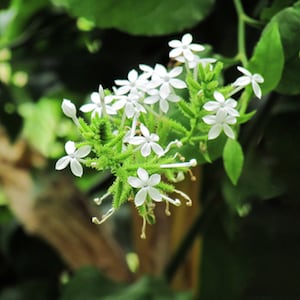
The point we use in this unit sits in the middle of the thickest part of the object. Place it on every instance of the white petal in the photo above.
(121, 82)
(95, 98)
(164, 105)
(173, 98)
(210, 119)
(62, 162)
(146, 149)
(175, 44)
(144, 130)
(154, 137)
(175, 72)
(140, 197)
(154, 179)
(230, 120)
(151, 99)
(83, 151)
(175, 52)
(160, 70)
(70, 147)
(137, 140)
(132, 75)
(228, 131)
(154, 194)
(88, 107)
(244, 71)
(143, 174)
(135, 182)
(256, 89)
(110, 110)
(232, 112)
(258, 78)
(211, 106)
(157, 149)
(215, 131)
(129, 110)
(164, 90)
(188, 54)
(119, 104)
(219, 97)
(230, 102)
(196, 47)
(178, 84)
(242, 81)
(76, 168)
(187, 39)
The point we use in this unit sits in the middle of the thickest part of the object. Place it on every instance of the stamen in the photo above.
(193, 177)
(95, 220)
(185, 196)
(167, 209)
(179, 177)
(175, 202)
(176, 142)
(191, 163)
(143, 233)
(98, 201)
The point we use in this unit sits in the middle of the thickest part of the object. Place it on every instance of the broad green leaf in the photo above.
(268, 57)
(233, 158)
(41, 123)
(151, 17)
(268, 12)
(289, 28)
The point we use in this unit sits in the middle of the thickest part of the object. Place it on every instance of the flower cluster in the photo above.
(131, 132)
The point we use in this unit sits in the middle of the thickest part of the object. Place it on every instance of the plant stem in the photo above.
(241, 32)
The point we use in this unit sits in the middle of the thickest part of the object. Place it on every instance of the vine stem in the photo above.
(241, 32)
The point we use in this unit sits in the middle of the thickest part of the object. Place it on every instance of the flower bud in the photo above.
(69, 108)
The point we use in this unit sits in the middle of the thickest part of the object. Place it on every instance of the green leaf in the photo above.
(151, 17)
(268, 57)
(233, 158)
(289, 28)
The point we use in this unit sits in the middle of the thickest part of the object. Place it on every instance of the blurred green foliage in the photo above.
(49, 52)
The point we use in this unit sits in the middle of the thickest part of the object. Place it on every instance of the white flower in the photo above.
(184, 48)
(100, 104)
(227, 105)
(147, 71)
(154, 96)
(73, 157)
(134, 84)
(147, 142)
(219, 122)
(166, 80)
(248, 78)
(130, 104)
(145, 184)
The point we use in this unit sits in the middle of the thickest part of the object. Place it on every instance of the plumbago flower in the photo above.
(147, 142)
(73, 157)
(137, 130)
(220, 122)
(146, 185)
(249, 78)
(184, 48)
(228, 105)
(100, 104)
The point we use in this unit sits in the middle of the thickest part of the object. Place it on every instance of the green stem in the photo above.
(241, 32)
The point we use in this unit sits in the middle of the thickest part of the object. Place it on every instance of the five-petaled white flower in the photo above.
(184, 48)
(228, 105)
(166, 80)
(146, 185)
(220, 122)
(147, 142)
(154, 96)
(100, 104)
(133, 85)
(73, 157)
(249, 78)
